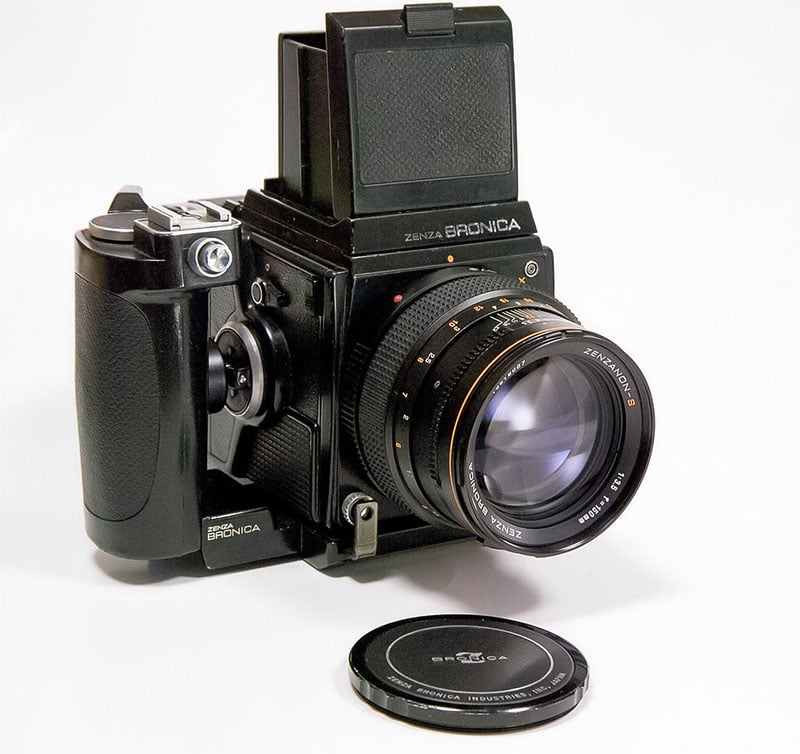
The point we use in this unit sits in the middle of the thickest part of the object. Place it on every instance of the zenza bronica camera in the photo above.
(365, 355)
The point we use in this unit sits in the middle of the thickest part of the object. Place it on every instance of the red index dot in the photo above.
(398, 298)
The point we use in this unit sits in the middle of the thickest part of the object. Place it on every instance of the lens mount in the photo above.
(488, 407)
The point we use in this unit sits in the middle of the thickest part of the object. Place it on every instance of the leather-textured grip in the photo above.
(140, 374)
(117, 394)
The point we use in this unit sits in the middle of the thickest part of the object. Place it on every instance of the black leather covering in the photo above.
(117, 399)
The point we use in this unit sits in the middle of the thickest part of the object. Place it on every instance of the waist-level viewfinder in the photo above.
(392, 111)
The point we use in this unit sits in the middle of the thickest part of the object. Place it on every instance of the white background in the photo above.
(658, 146)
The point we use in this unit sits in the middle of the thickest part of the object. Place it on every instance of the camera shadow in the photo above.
(477, 579)
(465, 572)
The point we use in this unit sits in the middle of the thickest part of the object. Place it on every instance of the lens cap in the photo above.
(468, 672)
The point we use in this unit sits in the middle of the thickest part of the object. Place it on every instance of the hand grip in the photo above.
(116, 382)
(140, 376)
(142, 284)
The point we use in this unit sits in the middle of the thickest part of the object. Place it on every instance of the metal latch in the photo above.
(362, 512)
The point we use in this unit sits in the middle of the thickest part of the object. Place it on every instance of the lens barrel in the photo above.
(486, 406)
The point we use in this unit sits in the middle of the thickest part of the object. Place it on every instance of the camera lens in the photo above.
(486, 406)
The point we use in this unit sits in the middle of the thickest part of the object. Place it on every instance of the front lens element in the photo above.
(538, 435)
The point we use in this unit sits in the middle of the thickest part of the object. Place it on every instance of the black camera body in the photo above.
(331, 367)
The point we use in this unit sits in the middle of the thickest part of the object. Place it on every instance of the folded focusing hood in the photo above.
(392, 111)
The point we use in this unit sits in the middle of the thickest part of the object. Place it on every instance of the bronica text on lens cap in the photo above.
(468, 672)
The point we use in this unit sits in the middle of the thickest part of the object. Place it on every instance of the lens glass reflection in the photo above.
(538, 436)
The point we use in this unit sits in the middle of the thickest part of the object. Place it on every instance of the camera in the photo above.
(365, 356)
